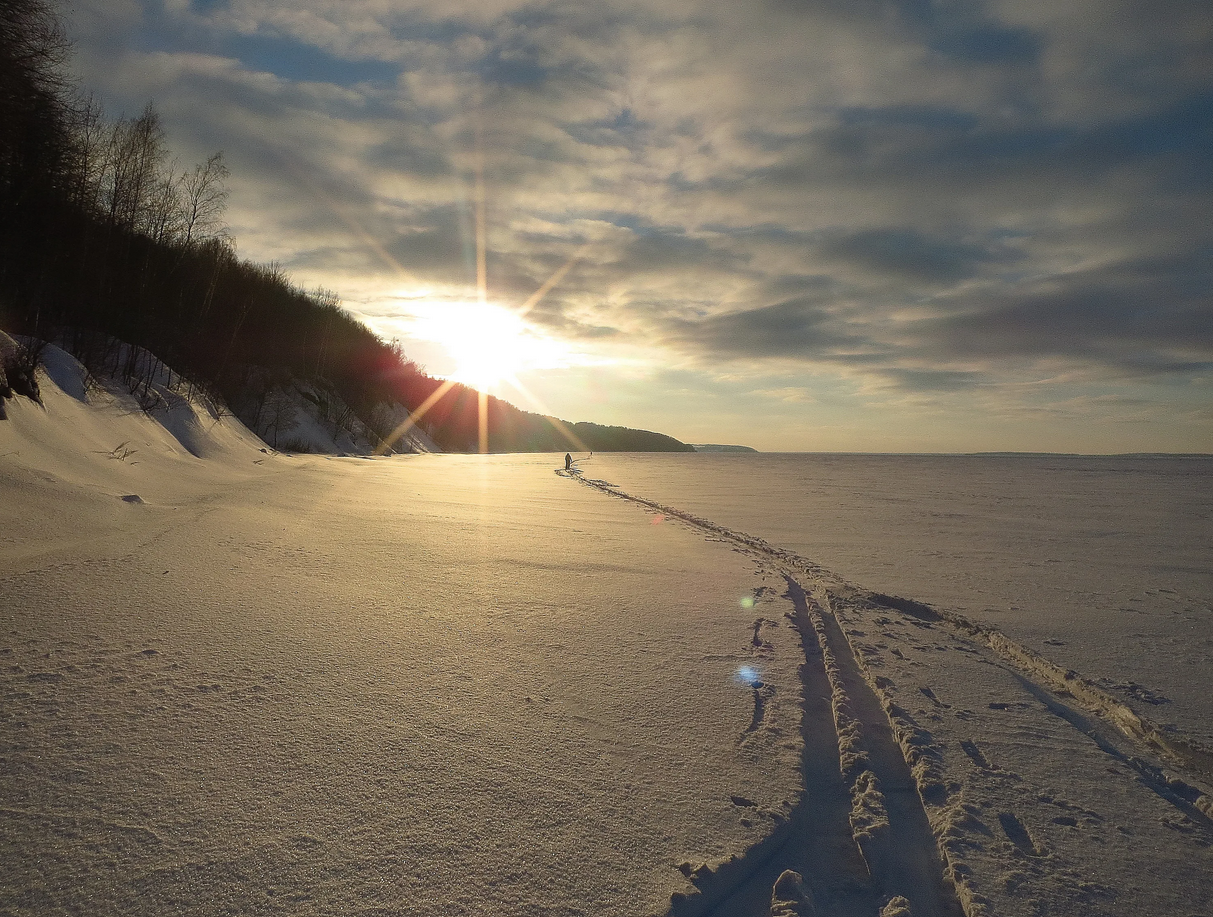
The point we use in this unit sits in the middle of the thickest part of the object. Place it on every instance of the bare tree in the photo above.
(166, 209)
(135, 155)
(281, 413)
(203, 198)
(330, 302)
(90, 133)
(33, 140)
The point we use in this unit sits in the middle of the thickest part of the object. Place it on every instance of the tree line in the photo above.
(105, 239)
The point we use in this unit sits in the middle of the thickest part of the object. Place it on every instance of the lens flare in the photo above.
(748, 675)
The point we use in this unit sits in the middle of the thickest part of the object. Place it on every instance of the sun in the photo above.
(489, 343)
(489, 346)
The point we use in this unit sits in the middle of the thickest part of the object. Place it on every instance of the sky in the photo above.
(820, 225)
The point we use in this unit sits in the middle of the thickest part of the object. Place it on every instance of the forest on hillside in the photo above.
(103, 240)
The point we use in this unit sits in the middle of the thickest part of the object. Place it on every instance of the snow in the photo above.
(242, 682)
(1103, 565)
(1045, 791)
(436, 685)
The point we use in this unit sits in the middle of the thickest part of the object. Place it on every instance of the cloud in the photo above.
(888, 196)
(989, 44)
(1142, 317)
(933, 380)
(800, 329)
(906, 252)
(290, 60)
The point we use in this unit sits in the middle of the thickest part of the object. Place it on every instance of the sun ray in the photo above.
(482, 281)
(557, 276)
(547, 415)
(483, 406)
(415, 416)
(482, 271)
(558, 424)
(479, 194)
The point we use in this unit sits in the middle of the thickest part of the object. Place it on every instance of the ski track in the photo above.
(883, 824)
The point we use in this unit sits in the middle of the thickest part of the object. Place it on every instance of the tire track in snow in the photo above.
(815, 844)
(1177, 749)
(1183, 751)
(1063, 690)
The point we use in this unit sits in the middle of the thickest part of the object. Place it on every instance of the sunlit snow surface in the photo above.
(442, 685)
(1102, 564)
(430, 685)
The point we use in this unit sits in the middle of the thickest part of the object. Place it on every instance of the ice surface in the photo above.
(1102, 564)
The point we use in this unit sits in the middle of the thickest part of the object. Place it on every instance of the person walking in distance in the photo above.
(568, 462)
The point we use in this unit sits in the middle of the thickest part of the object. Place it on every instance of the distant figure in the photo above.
(568, 462)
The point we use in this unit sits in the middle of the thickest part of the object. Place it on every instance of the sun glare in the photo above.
(488, 343)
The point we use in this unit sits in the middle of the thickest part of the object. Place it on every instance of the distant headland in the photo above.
(717, 447)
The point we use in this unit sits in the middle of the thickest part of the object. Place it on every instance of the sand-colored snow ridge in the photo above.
(289, 414)
(431, 685)
(94, 436)
(1039, 792)
(790, 897)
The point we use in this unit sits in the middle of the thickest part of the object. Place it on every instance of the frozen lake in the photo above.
(1103, 564)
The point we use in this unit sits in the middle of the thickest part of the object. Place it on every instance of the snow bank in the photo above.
(8, 347)
(98, 432)
(289, 414)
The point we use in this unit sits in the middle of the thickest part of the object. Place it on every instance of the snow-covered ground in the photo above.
(1102, 564)
(1053, 703)
(239, 682)
(251, 683)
